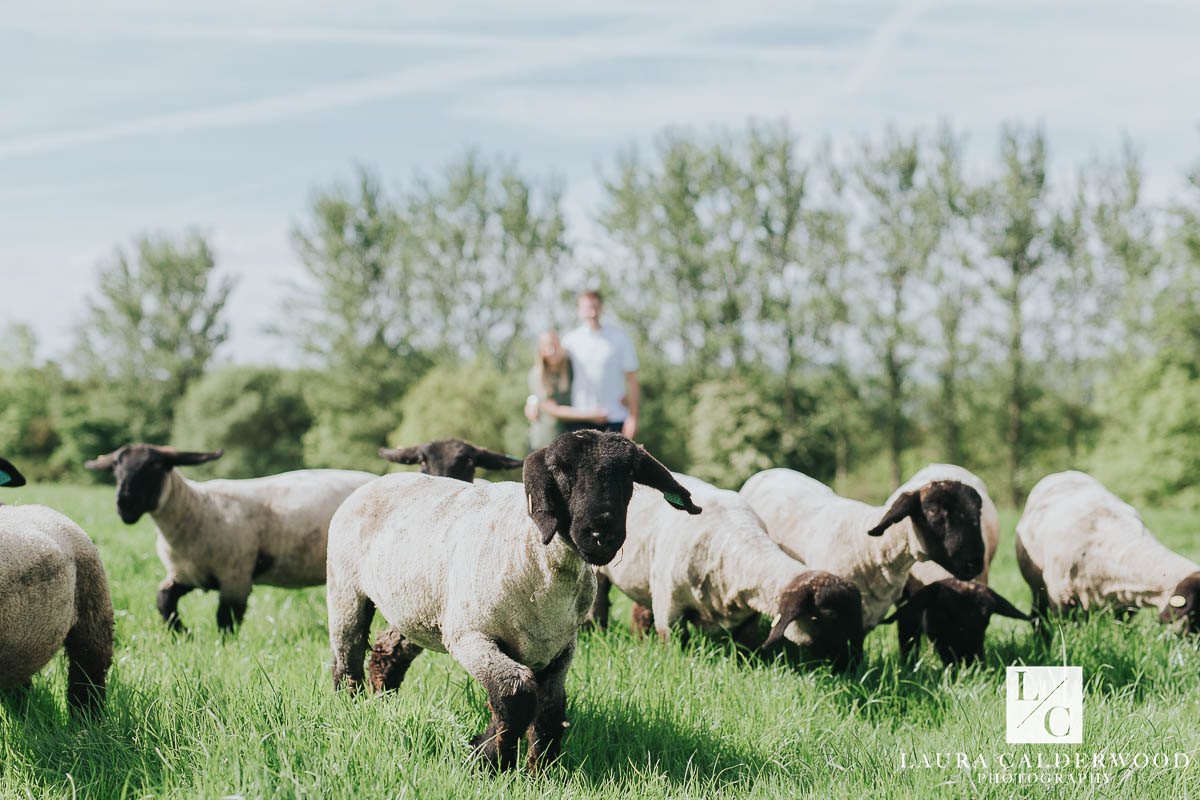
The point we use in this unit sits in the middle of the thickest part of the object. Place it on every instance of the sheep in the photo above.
(448, 458)
(1080, 546)
(938, 521)
(498, 575)
(53, 596)
(451, 458)
(954, 614)
(721, 570)
(227, 535)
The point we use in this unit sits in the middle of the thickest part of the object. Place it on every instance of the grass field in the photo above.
(255, 715)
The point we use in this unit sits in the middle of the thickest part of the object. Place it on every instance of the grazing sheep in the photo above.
(873, 547)
(228, 535)
(721, 570)
(954, 614)
(53, 594)
(498, 575)
(1080, 546)
(450, 458)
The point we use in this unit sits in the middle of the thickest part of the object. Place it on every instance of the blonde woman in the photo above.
(548, 406)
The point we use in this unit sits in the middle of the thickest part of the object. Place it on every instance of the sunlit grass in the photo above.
(255, 715)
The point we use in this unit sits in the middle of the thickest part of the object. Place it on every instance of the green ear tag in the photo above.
(5, 477)
(674, 500)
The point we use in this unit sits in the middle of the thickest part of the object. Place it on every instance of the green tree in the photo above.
(152, 328)
(354, 318)
(473, 401)
(488, 246)
(1017, 234)
(257, 415)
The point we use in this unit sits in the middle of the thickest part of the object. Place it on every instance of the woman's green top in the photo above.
(545, 429)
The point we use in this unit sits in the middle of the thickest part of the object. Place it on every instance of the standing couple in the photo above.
(586, 380)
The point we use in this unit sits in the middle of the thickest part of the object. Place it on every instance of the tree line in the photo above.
(853, 312)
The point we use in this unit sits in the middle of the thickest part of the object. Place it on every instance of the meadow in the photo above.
(255, 716)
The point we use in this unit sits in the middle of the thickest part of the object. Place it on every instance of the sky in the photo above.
(124, 118)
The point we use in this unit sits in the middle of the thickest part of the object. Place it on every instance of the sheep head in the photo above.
(829, 609)
(955, 615)
(10, 477)
(946, 521)
(450, 458)
(580, 484)
(140, 470)
(1184, 604)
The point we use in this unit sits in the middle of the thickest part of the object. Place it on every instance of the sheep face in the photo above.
(10, 477)
(954, 615)
(830, 610)
(580, 484)
(946, 519)
(141, 470)
(450, 458)
(1184, 604)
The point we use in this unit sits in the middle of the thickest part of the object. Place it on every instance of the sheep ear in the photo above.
(545, 502)
(651, 472)
(792, 606)
(190, 459)
(10, 476)
(400, 455)
(490, 459)
(907, 504)
(1004, 608)
(106, 461)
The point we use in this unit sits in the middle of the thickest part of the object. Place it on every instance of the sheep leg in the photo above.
(390, 658)
(350, 617)
(169, 593)
(667, 614)
(89, 643)
(641, 620)
(601, 605)
(512, 692)
(549, 727)
(231, 610)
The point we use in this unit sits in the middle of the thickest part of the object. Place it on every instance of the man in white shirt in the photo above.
(605, 366)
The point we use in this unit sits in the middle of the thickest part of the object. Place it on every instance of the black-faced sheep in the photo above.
(953, 613)
(498, 575)
(227, 535)
(450, 458)
(1080, 546)
(53, 595)
(873, 547)
(721, 570)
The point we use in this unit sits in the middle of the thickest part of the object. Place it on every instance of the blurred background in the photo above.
(847, 238)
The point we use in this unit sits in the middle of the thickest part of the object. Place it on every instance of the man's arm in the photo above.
(632, 396)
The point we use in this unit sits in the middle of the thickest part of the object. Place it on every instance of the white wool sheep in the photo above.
(53, 594)
(873, 547)
(721, 570)
(1080, 546)
(227, 535)
(498, 575)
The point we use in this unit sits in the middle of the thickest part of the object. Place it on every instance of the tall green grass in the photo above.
(255, 716)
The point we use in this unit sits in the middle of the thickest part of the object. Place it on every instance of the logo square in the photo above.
(1044, 705)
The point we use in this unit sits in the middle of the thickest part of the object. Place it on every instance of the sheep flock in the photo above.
(506, 576)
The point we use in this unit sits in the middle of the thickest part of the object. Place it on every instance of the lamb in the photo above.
(53, 595)
(448, 458)
(499, 575)
(954, 614)
(227, 535)
(721, 570)
(938, 521)
(451, 458)
(1080, 546)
